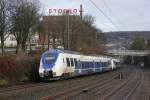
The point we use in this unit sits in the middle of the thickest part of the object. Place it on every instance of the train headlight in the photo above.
(41, 71)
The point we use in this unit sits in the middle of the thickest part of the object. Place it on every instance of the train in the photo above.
(61, 63)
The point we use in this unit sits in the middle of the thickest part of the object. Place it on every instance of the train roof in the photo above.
(77, 53)
(72, 52)
(64, 51)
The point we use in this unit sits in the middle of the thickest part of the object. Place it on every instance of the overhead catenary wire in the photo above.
(118, 21)
(108, 18)
(106, 5)
(110, 10)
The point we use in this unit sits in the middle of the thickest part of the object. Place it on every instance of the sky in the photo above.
(119, 15)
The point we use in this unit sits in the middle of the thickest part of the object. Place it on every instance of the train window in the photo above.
(97, 65)
(68, 62)
(100, 64)
(75, 62)
(78, 64)
(82, 65)
(91, 64)
(106, 63)
(72, 63)
(48, 58)
(87, 64)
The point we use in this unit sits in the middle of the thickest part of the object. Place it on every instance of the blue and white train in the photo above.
(60, 63)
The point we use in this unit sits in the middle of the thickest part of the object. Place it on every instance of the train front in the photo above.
(47, 64)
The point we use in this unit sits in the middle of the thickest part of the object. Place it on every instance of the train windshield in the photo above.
(48, 58)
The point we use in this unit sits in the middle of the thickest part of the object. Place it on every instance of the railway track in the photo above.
(107, 90)
(25, 86)
(127, 89)
(75, 91)
(21, 87)
(145, 90)
(65, 89)
(98, 92)
(138, 83)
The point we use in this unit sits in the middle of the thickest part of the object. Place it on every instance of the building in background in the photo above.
(12, 43)
(57, 30)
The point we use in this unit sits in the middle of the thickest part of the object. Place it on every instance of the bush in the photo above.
(22, 68)
(30, 65)
(10, 69)
(34, 69)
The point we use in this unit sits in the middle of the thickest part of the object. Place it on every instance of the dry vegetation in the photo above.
(17, 69)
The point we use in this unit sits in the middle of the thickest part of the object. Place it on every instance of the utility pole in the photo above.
(67, 31)
(46, 36)
(48, 40)
(81, 11)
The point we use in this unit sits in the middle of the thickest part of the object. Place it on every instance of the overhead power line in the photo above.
(104, 15)
(110, 10)
(105, 4)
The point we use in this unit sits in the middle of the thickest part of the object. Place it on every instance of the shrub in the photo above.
(31, 67)
(10, 69)
(18, 68)
(34, 70)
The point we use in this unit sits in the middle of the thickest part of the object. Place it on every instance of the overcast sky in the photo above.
(126, 15)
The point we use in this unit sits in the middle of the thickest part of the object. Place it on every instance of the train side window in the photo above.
(82, 63)
(75, 62)
(97, 65)
(72, 63)
(102, 64)
(105, 64)
(87, 64)
(68, 62)
(91, 64)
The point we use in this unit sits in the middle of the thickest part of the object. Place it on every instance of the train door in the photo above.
(68, 64)
(101, 67)
(112, 64)
(75, 63)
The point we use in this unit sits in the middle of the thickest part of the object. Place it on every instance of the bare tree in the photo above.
(24, 21)
(4, 21)
(82, 33)
(53, 29)
(87, 35)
